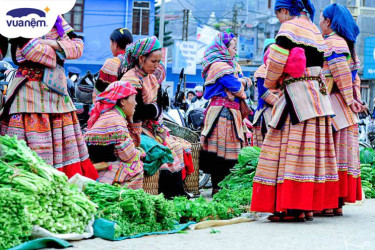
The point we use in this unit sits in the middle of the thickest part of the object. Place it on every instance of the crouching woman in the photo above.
(108, 136)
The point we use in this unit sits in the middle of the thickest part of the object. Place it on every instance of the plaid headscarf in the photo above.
(140, 47)
(108, 99)
(217, 52)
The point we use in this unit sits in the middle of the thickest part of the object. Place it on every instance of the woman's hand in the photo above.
(356, 107)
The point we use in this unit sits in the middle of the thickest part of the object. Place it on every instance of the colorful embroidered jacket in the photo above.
(266, 98)
(227, 85)
(340, 71)
(302, 99)
(147, 86)
(28, 93)
(111, 130)
(111, 71)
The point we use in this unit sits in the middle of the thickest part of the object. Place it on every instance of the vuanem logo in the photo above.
(27, 17)
(31, 18)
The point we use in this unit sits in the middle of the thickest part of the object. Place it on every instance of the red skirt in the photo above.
(297, 168)
(348, 163)
(56, 138)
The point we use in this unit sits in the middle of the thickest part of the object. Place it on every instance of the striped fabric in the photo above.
(270, 98)
(338, 74)
(217, 70)
(301, 30)
(110, 71)
(35, 51)
(308, 102)
(57, 138)
(348, 164)
(73, 48)
(117, 174)
(138, 48)
(224, 140)
(277, 58)
(260, 72)
(147, 82)
(36, 97)
(292, 164)
(111, 128)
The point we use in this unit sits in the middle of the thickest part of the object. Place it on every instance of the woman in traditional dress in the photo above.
(266, 100)
(142, 60)
(297, 170)
(38, 108)
(340, 70)
(108, 136)
(223, 133)
(112, 69)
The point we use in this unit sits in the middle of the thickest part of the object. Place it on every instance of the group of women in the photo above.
(125, 131)
(309, 162)
(306, 119)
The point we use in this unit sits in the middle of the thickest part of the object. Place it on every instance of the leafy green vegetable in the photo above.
(49, 201)
(233, 199)
(15, 225)
(134, 211)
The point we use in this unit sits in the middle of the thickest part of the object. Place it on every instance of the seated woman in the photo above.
(142, 61)
(108, 136)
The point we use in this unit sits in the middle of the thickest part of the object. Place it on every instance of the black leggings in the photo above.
(170, 184)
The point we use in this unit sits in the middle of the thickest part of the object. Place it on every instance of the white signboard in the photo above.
(184, 56)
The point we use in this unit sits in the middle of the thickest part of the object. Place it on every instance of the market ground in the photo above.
(354, 230)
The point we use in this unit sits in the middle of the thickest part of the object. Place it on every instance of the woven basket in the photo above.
(151, 184)
(191, 181)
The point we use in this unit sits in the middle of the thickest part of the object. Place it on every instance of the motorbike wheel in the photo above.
(203, 179)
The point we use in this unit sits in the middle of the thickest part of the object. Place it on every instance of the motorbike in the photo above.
(192, 120)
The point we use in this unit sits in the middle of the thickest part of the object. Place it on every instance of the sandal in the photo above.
(283, 217)
(338, 211)
(309, 216)
(324, 213)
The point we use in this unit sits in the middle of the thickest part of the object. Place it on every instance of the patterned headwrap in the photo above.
(140, 47)
(295, 7)
(217, 52)
(59, 26)
(342, 21)
(108, 99)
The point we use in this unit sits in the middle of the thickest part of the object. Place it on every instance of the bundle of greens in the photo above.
(367, 157)
(134, 211)
(242, 174)
(50, 202)
(15, 225)
(233, 199)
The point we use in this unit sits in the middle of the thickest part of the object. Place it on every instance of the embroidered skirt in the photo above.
(57, 138)
(348, 164)
(297, 168)
(223, 139)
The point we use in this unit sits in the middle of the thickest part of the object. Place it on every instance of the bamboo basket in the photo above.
(151, 184)
(191, 181)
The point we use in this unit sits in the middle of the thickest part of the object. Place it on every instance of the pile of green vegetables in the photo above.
(134, 211)
(233, 199)
(15, 224)
(367, 157)
(47, 199)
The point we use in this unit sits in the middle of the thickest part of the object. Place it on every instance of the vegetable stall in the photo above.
(34, 194)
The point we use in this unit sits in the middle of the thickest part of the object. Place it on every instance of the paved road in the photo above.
(355, 230)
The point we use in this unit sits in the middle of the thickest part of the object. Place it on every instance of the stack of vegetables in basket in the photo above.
(33, 193)
(233, 199)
